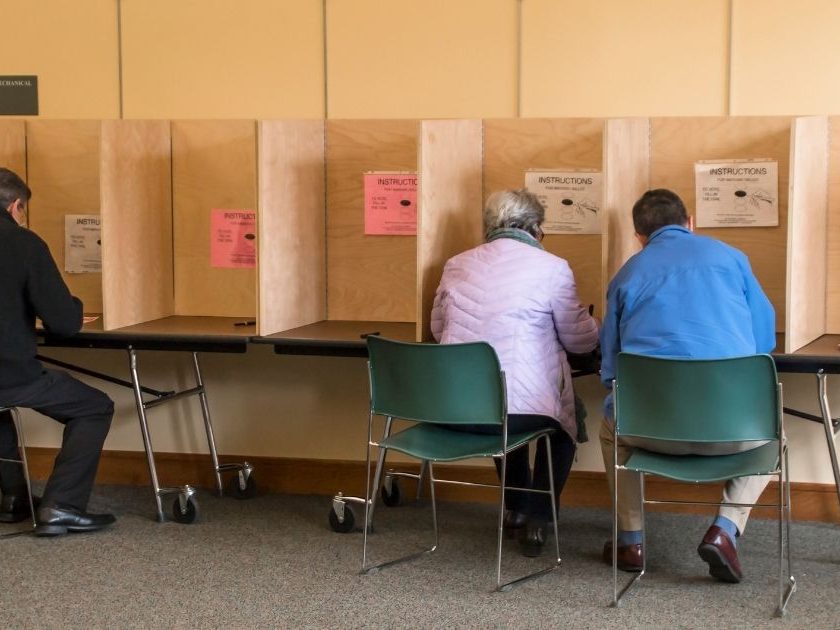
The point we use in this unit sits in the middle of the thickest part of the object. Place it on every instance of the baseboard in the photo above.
(810, 501)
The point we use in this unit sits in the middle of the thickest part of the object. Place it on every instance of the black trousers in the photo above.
(86, 414)
(518, 473)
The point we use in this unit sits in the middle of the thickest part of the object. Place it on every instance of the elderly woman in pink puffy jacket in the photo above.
(522, 300)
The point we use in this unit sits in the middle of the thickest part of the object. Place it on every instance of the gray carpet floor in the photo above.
(273, 562)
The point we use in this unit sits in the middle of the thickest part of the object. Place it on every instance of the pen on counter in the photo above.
(248, 322)
(366, 335)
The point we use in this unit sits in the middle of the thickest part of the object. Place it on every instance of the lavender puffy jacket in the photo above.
(522, 301)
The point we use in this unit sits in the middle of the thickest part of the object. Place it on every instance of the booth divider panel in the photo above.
(136, 197)
(626, 178)
(450, 202)
(292, 248)
(833, 247)
(63, 173)
(214, 167)
(512, 146)
(676, 143)
(13, 146)
(807, 224)
(370, 278)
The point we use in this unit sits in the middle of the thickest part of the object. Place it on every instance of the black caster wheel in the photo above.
(394, 497)
(348, 523)
(248, 492)
(186, 515)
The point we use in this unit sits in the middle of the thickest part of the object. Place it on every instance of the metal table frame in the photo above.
(820, 365)
(185, 507)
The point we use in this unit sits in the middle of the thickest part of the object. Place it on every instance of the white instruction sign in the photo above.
(572, 200)
(737, 193)
(82, 244)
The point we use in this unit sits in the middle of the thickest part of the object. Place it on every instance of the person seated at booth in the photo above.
(687, 296)
(31, 286)
(523, 301)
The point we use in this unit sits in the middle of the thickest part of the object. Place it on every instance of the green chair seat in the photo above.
(704, 469)
(440, 444)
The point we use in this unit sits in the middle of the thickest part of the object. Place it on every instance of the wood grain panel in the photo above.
(626, 178)
(806, 238)
(63, 173)
(449, 208)
(368, 277)
(13, 147)
(214, 166)
(676, 143)
(136, 194)
(292, 248)
(513, 146)
(833, 239)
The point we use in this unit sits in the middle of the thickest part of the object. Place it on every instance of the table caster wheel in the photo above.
(346, 525)
(246, 491)
(186, 514)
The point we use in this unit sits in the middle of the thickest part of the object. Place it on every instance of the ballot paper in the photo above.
(390, 203)
(82, 243)
(233, 239)
(572, 199)
(737, 193)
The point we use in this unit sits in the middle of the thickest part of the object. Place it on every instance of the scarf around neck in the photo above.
(516, 234)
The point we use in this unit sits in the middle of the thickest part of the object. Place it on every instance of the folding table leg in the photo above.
(828, 425)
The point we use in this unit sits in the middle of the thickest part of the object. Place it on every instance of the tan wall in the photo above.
(403, 59)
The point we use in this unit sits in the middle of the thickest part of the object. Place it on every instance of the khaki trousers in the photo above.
(739, 490)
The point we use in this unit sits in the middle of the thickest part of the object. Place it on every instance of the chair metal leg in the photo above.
(500, 533)
(632, 582)
(377, 477)
(785, 591)
(370, 498)
(556, 562)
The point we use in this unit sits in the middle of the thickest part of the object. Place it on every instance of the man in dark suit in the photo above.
(31, 286)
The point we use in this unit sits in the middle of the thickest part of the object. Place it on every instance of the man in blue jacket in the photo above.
(31, 286)
(683, 295)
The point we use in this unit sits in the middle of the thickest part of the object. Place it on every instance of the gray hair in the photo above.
(513, 209)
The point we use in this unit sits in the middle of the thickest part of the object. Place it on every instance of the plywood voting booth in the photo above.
(322, 279)
(644, 153)
(154, 184)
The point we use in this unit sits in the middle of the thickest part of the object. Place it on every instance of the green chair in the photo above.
(696, 400)
(432, 386)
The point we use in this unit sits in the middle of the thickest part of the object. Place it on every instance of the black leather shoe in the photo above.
(14, 508)
(55, 521)
(532, 540)
(514, 521)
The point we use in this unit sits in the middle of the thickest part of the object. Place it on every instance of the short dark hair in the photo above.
(658, 208)
(12, 187)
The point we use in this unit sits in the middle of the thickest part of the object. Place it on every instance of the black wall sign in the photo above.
(18, 95)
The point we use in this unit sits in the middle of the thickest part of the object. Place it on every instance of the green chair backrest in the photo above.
(448, 383)
(697, 400)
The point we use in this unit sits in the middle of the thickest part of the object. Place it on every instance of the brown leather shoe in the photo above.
(718, 551)
(630, 557)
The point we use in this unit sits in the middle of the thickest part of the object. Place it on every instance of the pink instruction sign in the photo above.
(233, 238)
(391, 203)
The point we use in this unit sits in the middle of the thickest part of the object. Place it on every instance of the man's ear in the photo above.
(643, 240)
(17, 211)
